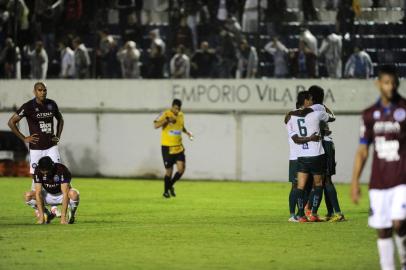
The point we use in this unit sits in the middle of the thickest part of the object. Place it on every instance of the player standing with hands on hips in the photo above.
(40, 113)
(172, 123)
(384, 125)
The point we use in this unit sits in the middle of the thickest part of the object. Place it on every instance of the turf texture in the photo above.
(126, 224)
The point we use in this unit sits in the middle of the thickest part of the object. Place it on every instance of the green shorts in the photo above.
(330, 153)
(312, 165)
(293, 171)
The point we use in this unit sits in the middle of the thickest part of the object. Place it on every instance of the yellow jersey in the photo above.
(171, 134)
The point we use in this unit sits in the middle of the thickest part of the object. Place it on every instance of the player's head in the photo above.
(40, 91)
(45, 165)
(317, 94)
(388, 81)
(304, 99)
(176, 106)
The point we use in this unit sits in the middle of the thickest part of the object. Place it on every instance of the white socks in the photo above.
(401, 245)
(386, 250)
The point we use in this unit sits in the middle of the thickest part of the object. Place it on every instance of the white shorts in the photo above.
(387, 205)
(53, 199)
(36, 155)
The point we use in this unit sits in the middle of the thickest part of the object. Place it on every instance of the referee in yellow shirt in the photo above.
(172, 123)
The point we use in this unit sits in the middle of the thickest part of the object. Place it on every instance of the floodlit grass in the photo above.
(123, 224)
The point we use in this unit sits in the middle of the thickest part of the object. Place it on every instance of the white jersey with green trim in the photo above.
(305, 127)
(321, 107)
(293, 147)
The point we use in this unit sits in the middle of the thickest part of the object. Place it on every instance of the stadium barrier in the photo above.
(238, 124)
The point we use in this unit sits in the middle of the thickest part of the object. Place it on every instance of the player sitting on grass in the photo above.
(295, 144)
(52, 187)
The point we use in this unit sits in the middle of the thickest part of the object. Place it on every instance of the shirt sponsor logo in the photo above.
(399, 114)
(175, 132)
(377, 115)
(387, 150)
(44, 115)
(386, 127)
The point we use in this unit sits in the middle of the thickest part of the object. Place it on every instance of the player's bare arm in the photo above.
(40, 203)
(59, 127)
(331, 114)
(302, 140)
(12, 123)
(161, 123)
(65, 202)
(188, 133)
(361, 157)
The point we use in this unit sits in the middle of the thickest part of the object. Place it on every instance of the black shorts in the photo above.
(171, 159)
(312, 165)
(330, 153)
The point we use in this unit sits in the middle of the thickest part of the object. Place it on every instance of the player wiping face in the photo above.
(172, 126)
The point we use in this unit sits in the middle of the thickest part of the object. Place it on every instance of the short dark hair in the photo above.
(40, 83)
(301, 97)
(177, 102)
(389, 70)
(45, 164)
(317, 94)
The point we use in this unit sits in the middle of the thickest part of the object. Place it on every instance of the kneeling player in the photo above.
(52, 187)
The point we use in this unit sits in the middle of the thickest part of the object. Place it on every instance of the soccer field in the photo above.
(123, 224)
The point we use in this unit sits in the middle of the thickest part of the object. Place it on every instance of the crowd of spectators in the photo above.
(78, 39)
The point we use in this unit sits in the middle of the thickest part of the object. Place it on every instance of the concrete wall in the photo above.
(242, 141)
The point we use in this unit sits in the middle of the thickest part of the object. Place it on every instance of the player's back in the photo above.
(308, 125)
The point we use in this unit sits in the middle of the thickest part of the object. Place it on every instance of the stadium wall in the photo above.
(238, 124)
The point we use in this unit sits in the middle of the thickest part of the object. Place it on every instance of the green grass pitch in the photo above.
(123, 224)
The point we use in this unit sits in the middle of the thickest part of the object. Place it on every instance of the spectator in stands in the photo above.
(38, 61)
(280, 57)
(183, 36)
(180, 64)
(22, 18)
(331, 47)
(192, 9)
(46, 14)
(131, 29)
(129, 57)
(155, 11)
(82, 59)
(156, 40)
(310, 40)
(10, 60)
(303, 62)
(67, 60)
(107, 53)
(359, 65)
(309, 12)
(250, 16)
(204, 62)
(247, 61)
(227, 52)
(156, 63)
(345, 18)
(274, 16)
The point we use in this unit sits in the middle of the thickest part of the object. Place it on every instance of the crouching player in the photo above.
(52, 187)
